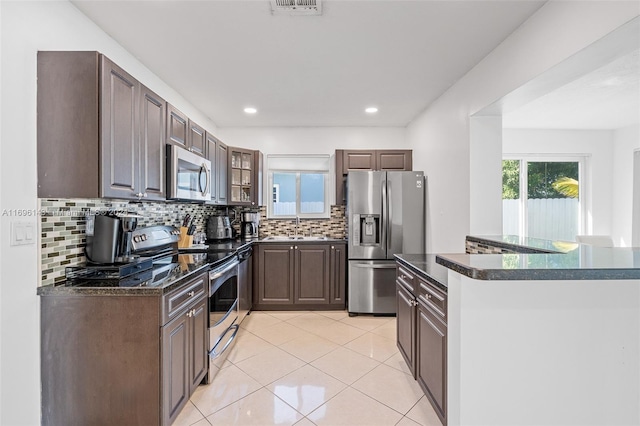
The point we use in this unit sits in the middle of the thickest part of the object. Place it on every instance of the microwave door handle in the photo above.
(204, 169)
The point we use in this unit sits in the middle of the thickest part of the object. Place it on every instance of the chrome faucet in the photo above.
(297, 224)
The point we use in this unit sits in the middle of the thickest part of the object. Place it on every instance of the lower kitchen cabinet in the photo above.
(431, 360)
(300, 276)
(406, 326)
(116, 359)
(184, 358)
(422, 334)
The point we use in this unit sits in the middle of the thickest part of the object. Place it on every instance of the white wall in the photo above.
(625, 140)
(597, 145)
(26, 28)
(440, 136)
(313, 140)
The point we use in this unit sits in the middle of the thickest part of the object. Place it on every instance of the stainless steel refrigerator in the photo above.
(386, 213)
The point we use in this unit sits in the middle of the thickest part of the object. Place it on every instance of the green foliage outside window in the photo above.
(545, 179)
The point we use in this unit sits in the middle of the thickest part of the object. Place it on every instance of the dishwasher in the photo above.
(245, 281)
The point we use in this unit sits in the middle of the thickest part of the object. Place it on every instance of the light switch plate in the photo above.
(23, 233)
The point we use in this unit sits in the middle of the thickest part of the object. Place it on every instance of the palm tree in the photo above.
(567, 186)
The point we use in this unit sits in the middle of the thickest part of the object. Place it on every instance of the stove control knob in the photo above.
(144, 237)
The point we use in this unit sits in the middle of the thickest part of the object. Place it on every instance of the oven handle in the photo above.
(213, 352)
(217, 273)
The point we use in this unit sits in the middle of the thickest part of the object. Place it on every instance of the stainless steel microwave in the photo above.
(188, 175)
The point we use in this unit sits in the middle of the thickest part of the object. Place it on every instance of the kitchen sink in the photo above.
(293, 237)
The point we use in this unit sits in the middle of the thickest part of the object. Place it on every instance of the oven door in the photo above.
(188, 175)
(223, 299)
(223, 313)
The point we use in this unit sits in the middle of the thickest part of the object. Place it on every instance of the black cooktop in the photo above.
(165, 271)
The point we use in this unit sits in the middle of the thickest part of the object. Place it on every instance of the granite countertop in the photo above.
(524, 244)
(570, 261)
(425, 263)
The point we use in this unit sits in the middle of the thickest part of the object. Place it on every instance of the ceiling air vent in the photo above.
(296, 7)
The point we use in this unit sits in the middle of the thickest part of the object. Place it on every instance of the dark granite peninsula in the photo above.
(546, 333)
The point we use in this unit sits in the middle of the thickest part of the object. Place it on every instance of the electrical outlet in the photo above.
(23, 233)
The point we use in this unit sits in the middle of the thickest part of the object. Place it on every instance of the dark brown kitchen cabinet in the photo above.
(422, 333)
(175, 365)
(144, 355)
(152, 152)
(222, 175)
(196, 139)
(431, 366)
(100, 132)
(183, 132)
(400, 160)
(338, 273)
(299, 275)
(358, 160)
(275, 276)
(217, 154)
(245, 177)
(311, 273)
(406, 326)
(177, 127)
(378, 159)
(184, 357)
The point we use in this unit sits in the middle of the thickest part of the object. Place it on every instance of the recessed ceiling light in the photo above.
(250, 110)
(371, 110)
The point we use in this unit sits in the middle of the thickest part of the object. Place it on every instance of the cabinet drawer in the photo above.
(407, 278)
(183, 296)
(432, 297)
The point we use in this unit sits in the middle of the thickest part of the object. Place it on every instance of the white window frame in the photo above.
(296, 165)
(584, 165)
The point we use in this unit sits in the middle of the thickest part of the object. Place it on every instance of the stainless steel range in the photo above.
(228, 304)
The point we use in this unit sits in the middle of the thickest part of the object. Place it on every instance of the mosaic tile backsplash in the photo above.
(473, 247)
(63, 226)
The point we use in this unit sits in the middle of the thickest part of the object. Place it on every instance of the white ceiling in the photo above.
(310, 70)
(607, 98)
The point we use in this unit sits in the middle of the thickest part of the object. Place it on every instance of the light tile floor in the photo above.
(312, 368)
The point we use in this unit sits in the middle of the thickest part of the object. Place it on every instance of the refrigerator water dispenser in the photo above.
(367, 229)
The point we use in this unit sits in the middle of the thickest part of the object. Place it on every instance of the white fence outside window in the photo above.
(548, 218)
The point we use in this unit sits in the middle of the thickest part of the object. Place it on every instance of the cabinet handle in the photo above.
(145, 195)
(139, 194)
(189, 314)
(332, 247)
(296, 247)
(291, 248)
(428, 296)
(191, 293)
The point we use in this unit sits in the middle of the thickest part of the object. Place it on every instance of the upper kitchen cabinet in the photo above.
(217, 155)
(245, 177)
(177, 127)
(183, 132)
(152, 152)
(196, 139)
(379, 159)
(100, 132)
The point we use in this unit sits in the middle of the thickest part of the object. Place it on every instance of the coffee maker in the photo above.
(250, 225)
(109, 238)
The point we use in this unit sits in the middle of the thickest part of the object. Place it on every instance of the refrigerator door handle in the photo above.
(389, 215)
(384, 221)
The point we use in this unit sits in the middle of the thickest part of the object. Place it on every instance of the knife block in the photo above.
(185, 240)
